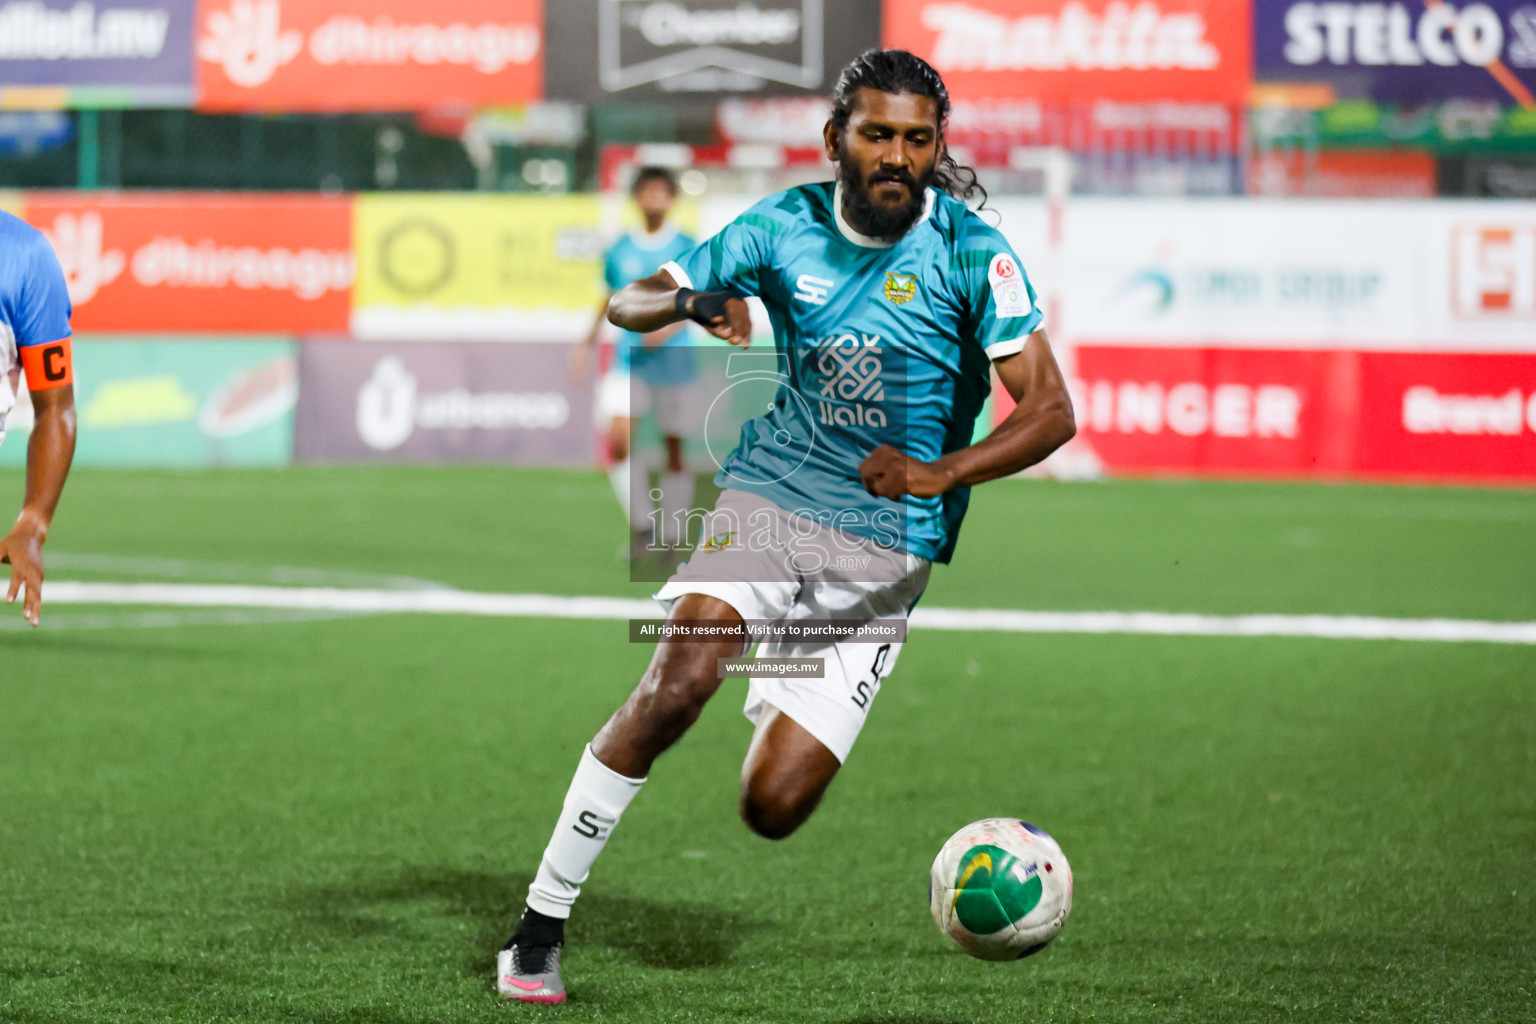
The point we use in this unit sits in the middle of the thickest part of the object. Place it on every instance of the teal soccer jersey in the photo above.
(877, 344)
(630, 259)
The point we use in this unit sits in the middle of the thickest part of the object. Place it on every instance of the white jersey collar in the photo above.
(847, 231)
(649, 240)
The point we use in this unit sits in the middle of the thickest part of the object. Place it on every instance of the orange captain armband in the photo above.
(48, 366)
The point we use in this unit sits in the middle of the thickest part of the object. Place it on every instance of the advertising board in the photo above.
(139, 48)
(148, 401)
(477, 267)
(1407, 51)
(442, 402)
(201, 262)
(288, 55)
(1080, 50)
(650, 50)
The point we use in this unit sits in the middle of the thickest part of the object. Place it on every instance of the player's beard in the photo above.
(867, 217)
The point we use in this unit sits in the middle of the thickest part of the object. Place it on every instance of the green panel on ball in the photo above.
(976, 902)
(1017, 900)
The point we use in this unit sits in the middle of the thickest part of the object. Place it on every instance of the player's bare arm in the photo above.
(1040, 422)
(581, 355)
(652, 303)
(49, 453)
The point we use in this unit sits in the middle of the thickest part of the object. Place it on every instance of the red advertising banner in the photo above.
(1214, 410)
(1289, 412)
(289, 55)
(1448, 415)
(169, 262)
(1053, 50)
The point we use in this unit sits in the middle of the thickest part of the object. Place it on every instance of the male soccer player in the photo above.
(889, 299)
(653, 369)
(34, 337)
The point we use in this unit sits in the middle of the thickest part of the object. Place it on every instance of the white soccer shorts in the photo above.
(623, 395)
(776, 582)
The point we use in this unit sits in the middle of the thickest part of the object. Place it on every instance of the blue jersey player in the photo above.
(35, 340)
(890, 301)
(651, 372)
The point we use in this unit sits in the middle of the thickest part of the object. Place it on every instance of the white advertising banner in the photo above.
(1385, 275)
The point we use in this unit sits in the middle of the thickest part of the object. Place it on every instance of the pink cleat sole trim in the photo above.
(535, 999)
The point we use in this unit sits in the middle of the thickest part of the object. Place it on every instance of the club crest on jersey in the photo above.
(850, 365)
(900, 288)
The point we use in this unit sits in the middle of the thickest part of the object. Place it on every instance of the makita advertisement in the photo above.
(442, 402)
(299, 55)
(1074, 50)
(648, 50)
(137, 44)
(1408, 51)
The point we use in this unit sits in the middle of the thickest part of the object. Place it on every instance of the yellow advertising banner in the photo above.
(472, 267)
(11, 202)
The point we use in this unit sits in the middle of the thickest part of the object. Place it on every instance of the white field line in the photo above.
(462, 602)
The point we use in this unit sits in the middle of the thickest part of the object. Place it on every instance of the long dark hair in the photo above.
(897, 72)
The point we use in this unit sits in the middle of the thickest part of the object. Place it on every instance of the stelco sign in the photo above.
(1401, 51)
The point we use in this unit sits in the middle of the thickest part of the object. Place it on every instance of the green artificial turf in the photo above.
(334, 820)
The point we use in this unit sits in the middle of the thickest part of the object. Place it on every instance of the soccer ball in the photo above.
(1001, 888)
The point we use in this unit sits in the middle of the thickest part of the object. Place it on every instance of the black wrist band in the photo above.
(681, 301)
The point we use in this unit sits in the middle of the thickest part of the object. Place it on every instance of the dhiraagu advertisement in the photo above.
(187, 403)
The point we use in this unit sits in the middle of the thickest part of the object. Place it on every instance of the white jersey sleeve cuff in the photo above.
(678, 274)
(1003, 349)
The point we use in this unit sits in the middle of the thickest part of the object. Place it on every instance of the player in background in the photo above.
(35, 339)
(890, 300)
(651, 370)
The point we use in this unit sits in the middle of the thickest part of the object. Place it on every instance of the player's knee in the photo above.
(618, 446)
(679, 689)
(772, 815)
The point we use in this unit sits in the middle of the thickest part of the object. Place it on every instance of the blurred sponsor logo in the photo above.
(442, 401)
(86, 262)
(176, 403)
(410, 54)
(1427, 411)
(233, 262)
(1191, 408)
(390, 408)
(1122, 36)
(497, 268)
(1493, 271)
(1157, 291)
(1377, 34)
(693, 45)
(31, 31)
(1079, 49)
(1207, 410)
(1409, 51)
(1446, 415)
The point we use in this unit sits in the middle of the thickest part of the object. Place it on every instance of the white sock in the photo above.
(676, 501)
(593, 805)
(631, 485)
